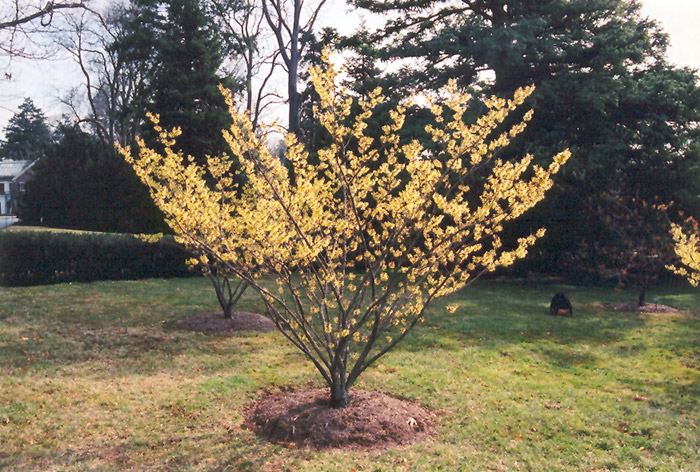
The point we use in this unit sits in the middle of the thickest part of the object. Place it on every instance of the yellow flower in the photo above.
(687, 248)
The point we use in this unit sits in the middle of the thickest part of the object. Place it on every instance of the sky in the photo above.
(681, 20)
(45, 81)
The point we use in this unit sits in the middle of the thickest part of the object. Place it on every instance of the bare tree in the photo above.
(24, 24)
(248, 45)
(292, 22)
(113, 82)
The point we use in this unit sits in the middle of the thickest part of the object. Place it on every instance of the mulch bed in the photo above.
(647, 308)
(215, 323)
(372, 421)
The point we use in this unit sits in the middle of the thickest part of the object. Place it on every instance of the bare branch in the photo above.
(48, 10)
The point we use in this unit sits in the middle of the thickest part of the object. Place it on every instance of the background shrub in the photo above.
(30, 256)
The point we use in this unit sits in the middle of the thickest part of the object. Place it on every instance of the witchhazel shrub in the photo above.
(362, 238)
(687, 248)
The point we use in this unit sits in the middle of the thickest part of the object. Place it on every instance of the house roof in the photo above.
(11, 169)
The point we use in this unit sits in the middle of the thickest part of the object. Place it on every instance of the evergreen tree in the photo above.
(184, 86)
(175, 45)
(310, 131)
(27, 136)
(603, 88)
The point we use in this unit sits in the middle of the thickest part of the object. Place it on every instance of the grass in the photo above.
(94, 377)
(42, 229)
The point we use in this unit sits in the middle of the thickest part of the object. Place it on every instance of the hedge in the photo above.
(32, 256)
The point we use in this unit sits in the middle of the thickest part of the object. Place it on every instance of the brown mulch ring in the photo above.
(372, 421)
(647, 308)
(215, 323)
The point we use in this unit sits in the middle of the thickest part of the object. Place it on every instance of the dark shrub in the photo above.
(37, 257)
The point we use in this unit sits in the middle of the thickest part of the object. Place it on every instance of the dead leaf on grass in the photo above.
(551, 407)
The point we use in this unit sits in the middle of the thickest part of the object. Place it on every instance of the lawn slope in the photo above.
(96, 377)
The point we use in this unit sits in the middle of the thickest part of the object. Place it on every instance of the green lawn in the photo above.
(94, 377)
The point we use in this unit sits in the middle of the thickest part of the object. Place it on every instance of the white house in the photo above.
(13, 177)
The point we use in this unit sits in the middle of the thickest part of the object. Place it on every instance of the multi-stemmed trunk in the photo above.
(339, 390)
(340, 381)
(227, 295)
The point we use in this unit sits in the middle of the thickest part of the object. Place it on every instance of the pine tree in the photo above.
(177, 48)
(184, 85)
(603, 88)
(27, 135)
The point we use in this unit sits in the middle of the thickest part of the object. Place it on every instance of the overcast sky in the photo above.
(45, 81)
(681, 20)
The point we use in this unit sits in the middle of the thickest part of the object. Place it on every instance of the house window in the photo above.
(21, 186)
(2, 188)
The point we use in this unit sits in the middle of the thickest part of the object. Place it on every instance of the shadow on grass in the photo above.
(643, 353)
(496, 317)
(146, 349)
(132, 322)
(232, 450)
(516, 315)
(59, 325)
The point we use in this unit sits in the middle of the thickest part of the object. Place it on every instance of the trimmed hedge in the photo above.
(35, 256)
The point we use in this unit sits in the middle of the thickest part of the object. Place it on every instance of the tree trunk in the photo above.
(228, 297)
(249, 83)
(228, 311)
(339, 377)
(642, 295)
(339, 392)
(294, 98)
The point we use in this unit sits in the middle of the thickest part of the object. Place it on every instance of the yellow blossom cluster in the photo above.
(361, 237)
(687, 248)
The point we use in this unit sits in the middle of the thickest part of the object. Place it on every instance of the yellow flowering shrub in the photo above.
(361, 239)
(687, 248)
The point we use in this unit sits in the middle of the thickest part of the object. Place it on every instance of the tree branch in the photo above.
(48, 9)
